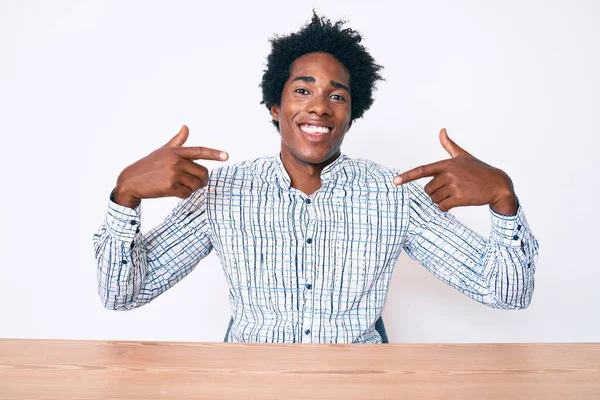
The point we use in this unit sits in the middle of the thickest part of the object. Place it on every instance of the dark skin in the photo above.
(166, 172)
(317, 94)
(462, 180)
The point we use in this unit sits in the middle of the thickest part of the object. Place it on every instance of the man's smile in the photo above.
(315, 130)
(315, 133)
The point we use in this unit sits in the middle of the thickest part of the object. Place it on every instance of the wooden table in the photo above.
(65, 369)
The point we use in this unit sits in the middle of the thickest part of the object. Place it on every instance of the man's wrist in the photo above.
(124, 198)
(507, 205)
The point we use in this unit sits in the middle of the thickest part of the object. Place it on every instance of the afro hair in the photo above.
(321, 35)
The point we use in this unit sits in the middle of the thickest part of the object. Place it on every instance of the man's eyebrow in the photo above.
(338, 85)
(304, 78)
(311, 79)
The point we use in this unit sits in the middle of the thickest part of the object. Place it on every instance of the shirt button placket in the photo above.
(309, 269)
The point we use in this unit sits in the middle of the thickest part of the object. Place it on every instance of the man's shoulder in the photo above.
(248, 169)
(371, 170)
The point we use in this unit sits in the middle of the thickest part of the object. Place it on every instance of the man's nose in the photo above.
(319, 105)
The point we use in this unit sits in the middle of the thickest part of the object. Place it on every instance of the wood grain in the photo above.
(65, 369)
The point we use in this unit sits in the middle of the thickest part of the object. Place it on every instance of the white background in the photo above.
(87, 88)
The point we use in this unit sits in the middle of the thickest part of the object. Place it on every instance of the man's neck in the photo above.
(305, 177)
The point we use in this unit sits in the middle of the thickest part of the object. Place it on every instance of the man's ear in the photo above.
(275, 112)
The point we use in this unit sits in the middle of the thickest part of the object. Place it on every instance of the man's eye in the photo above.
(337, 97)
(301, 91)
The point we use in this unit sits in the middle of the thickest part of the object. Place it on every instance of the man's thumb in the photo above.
(179, 139)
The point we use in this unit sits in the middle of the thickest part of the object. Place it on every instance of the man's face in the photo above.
(314, 114)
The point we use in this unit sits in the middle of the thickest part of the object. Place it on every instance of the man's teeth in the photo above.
(314, 129)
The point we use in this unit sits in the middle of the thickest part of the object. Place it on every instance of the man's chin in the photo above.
(315, 158)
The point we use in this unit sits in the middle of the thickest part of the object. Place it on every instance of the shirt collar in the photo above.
(330, 171)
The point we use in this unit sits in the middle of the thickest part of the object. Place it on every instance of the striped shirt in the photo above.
(311, 269)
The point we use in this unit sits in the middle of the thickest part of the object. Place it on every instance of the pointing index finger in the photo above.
(201, 153)
(423, 171)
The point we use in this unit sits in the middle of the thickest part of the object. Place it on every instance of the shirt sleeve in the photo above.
(132, 268)
(498, 272)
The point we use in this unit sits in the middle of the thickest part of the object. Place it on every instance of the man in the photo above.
(308, 239)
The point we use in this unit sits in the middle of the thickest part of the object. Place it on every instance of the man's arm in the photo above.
(133, 269)
(498, 272)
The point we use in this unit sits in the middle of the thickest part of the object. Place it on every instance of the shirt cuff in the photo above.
(122, 222)
(508, 230)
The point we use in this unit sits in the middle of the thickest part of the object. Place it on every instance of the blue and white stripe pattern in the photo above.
(311, 269)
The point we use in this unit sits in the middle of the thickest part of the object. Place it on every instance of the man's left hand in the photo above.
(463, 180)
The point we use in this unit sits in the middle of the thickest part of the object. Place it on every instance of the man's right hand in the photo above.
(167, 171)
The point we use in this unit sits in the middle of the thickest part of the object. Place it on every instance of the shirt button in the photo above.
(137, 230)
(133, 222)
(309, 240)
(515, 237)
(518, 227)
(307, 332)
(308, 286)
(124, 262)
(307, 201)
